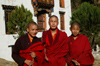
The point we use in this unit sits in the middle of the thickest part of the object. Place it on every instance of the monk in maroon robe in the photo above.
(56, 44)
(28, 49)
(80, 52)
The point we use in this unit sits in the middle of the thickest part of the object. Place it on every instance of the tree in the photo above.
(76, 3)
(18, 20)
(88, 16)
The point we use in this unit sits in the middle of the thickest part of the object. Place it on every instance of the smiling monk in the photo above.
(28, 49)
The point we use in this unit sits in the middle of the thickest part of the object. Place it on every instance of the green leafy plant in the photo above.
(18, 20)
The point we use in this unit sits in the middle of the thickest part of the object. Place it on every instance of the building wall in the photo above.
(7, 39)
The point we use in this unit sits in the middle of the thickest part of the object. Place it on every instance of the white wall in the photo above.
(6, 39)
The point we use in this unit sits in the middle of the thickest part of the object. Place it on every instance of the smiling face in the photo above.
(32, 30)
(53, 22)
(75, 29)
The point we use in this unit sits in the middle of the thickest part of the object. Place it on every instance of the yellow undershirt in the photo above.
(53, 36)
(31, 38)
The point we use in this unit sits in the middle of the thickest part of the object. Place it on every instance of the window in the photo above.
(7, 9)
(62, 3)
(62, 25)
(6, 19)
(41, 18)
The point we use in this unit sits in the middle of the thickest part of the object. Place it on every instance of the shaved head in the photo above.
(53, 16)
(31, 23)
(75, 23)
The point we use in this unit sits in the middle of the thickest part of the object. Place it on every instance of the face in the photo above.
(75, 29)
(32, 30)
(53, 22)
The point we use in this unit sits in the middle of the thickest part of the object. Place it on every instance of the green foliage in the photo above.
(88, 16)
(18, 20)
(76, 3)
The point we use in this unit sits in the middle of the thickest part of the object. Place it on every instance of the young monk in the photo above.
(56, 44)
(79, 48)
(28, 49)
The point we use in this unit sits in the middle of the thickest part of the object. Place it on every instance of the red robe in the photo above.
(55, 49)
(80, 50)
(38, 48)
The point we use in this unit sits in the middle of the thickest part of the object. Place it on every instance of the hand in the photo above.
(76, 63)
(46, 58)
(46, 55)
(28, 62)
(33, 54)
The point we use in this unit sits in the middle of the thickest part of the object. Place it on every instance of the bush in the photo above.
(18, 20)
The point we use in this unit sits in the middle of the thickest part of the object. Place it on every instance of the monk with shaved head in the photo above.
(80, 52)
(28, 49)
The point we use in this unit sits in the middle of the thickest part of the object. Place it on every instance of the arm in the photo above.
(68, 59)
(38, 56)
(65, 47)
(43, 41)
(15, 53)
(86, 57)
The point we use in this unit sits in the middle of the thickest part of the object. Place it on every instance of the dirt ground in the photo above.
(9, 63)
(96, 63)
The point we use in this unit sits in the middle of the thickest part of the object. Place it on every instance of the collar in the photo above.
(53, 36)
(31, 38)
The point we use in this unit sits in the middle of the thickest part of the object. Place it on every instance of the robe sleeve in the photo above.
(86, 58)
(65, 47)
(68, 59)
(15, 53)
(43, 37)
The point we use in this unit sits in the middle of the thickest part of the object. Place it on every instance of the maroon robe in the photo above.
(79, 50)
(55, 49)
(23, 43)
(38, 48)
